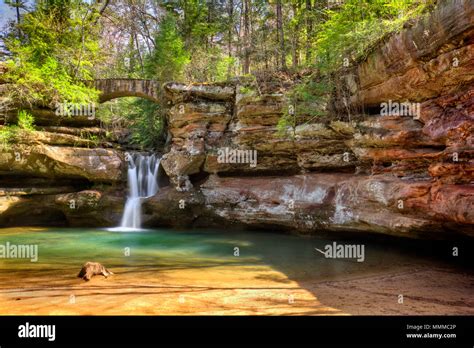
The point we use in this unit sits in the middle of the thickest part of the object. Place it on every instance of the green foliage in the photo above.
(6, 136)
(168, 60)
(353, 29)
(94, 139)
(224, 68)
(147, 124)
(306, 101)
(246, 90)
(26, 120)
(56, 49)
(8, 133)
(144, 118)
(197, 19)
(347, 34)
(210, 65)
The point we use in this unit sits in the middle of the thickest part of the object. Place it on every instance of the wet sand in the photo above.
(438, 291)
(242, 290)
(208, 291)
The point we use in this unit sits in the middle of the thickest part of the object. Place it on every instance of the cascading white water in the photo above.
(142, 183)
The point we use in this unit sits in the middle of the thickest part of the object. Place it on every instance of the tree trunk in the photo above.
(18, 11)
(246, 37)
(265, 49)
(137, 45)
(309, 30)
(281, 37)
(230, 12)
(210, 6)
(231, 24)
(296, 40)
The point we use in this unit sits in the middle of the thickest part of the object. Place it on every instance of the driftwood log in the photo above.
(90, 269)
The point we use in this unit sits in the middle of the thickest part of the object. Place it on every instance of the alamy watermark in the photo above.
(394, 108)
(19, 251)
(229, 155)
(37, 331)
(70, 109)
(344, 251)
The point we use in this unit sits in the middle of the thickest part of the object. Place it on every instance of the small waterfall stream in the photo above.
(142, 183)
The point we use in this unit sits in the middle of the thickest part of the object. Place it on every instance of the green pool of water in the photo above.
(171, 249)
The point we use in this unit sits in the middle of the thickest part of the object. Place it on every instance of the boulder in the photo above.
(96, 165)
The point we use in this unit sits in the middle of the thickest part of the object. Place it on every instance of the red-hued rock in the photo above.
(432, 58)
(316, 202)
(453, 173)
(402, 175)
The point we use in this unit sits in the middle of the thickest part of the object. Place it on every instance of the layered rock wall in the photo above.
(68, 171)
(402, 173)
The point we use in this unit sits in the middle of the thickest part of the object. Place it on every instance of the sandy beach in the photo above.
(231, 290)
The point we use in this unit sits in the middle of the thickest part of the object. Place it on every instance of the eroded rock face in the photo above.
(95, 207)
(433, 57)
(67, 172)
(50, 178)
(65, 137)
(61, 184)
(405, 175)
(96, 165)
(48, 117)
(314, 202)
(179, 92)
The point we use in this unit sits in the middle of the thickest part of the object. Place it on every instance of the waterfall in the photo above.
(142, 183)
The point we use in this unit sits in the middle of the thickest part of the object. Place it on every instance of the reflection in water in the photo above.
(170, 249)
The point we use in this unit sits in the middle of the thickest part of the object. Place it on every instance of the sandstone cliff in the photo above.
(409, 175)
(66, 172)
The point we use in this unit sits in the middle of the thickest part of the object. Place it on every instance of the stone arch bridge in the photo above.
(152, 90)
(120, 87)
